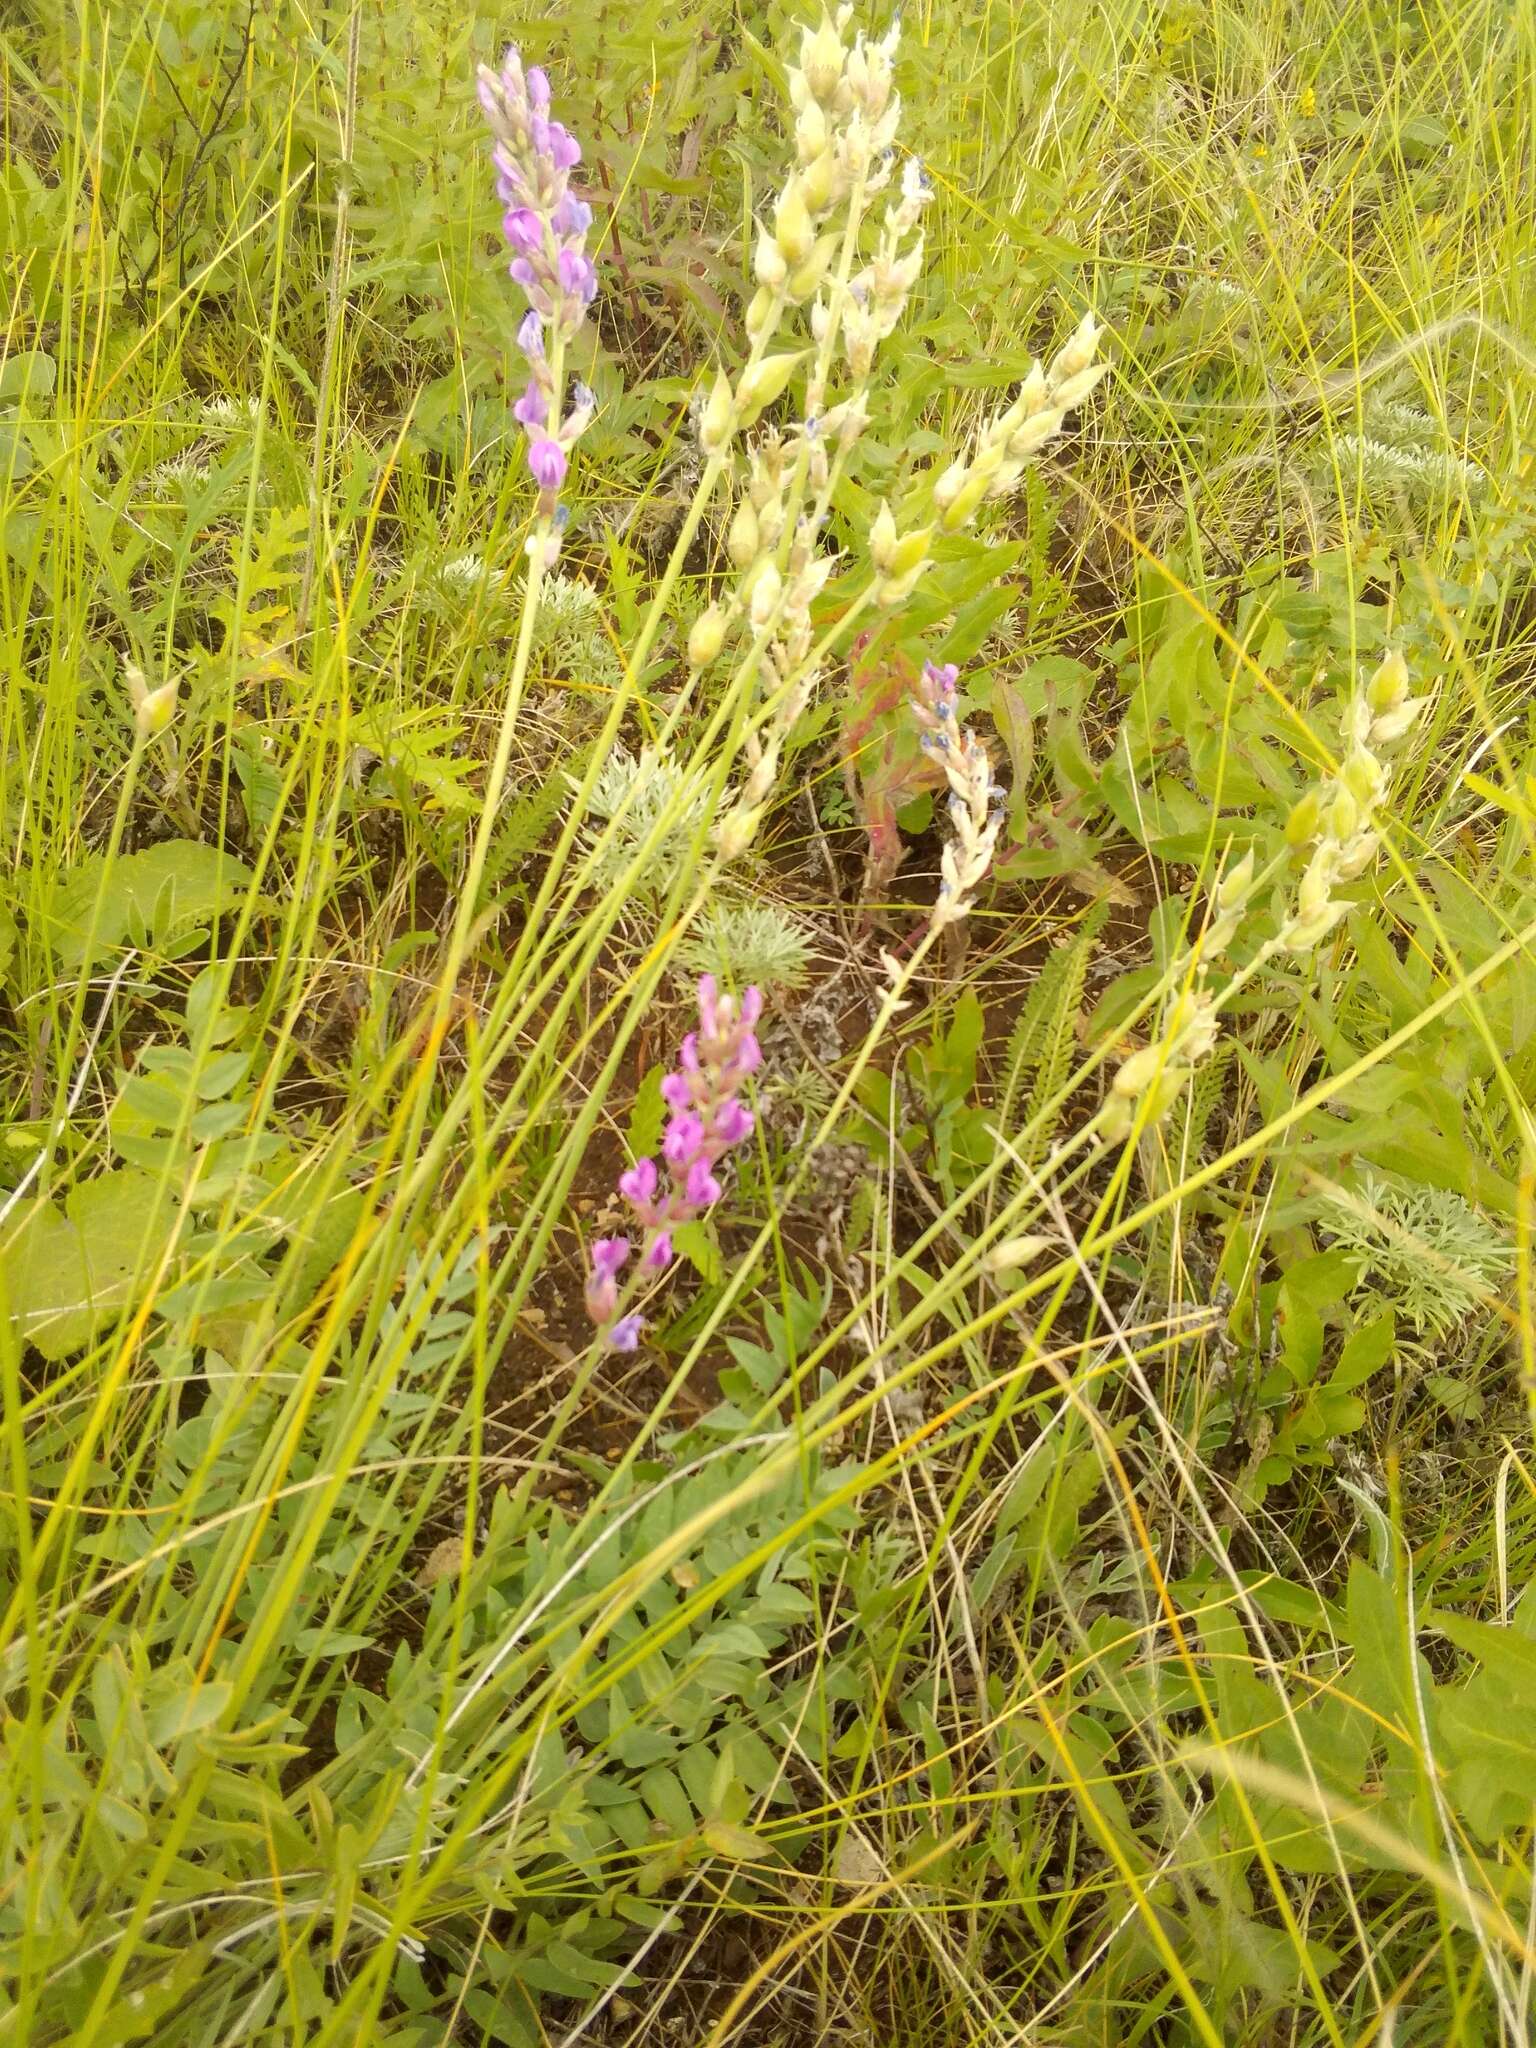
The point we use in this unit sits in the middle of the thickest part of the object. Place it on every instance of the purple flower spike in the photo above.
(546, 227)
(546, 459)
(708, 1119)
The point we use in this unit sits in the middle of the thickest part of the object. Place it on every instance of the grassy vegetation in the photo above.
(1058, 1567)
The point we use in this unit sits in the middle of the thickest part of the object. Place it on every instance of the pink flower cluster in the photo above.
(708, 1118)
(546, 227)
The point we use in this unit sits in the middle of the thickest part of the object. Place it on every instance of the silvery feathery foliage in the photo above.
(1425, 1252)
(638, 790)
(569, 636)
(1404, 452)
(748, 939)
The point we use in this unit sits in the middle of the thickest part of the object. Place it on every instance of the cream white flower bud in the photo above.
(768, 263)
(1014, 1252)
(950, 485)
(1391, 725)
(1078, 353)
(736, 832)
(822, 59)
(1073, 390)
(767, 588)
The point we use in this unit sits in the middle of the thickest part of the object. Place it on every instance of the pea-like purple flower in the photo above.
(546, 227)
(708, 1118)
(933, 704)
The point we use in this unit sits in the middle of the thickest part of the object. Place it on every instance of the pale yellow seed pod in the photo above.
(818, 181)
(1035, 432)
(911, 551)
(1014, 1252)
(1389, 686)
(794, 232)
(813, 132)
(761, 385)
(1314, 893)
(1235, 884)
(1363, 776)
(1033, 392)
(1391, 725)
(1301, 826)
(760, 312)
(1165, 1092)
(736, 832)
(1343, 816)
(1138, 1072)
(155, 710)
(719, 416)
(805, 282)
(706, 638)
(744, 540)
(882, 538)
(962, 508)
(768, 264)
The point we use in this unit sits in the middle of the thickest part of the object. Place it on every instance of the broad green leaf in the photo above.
(66, 1275)
(173, 887)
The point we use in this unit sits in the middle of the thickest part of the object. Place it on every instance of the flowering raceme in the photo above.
(708, 1118)
(546, 228)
